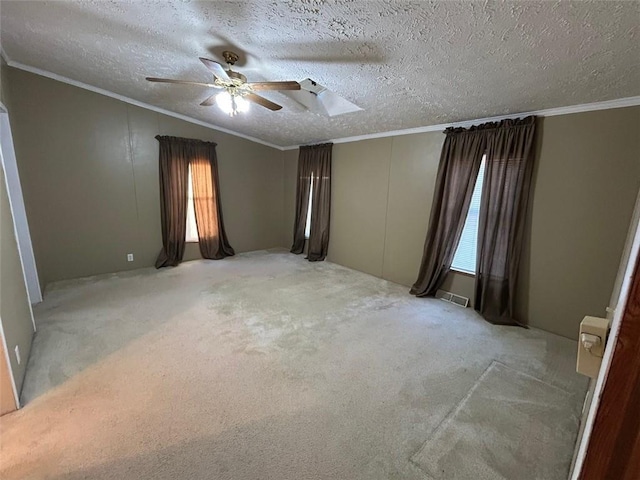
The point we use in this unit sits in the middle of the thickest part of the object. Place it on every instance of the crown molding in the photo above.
(131, 101)
(549, 112)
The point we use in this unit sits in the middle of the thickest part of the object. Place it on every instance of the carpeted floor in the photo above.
(266, 366)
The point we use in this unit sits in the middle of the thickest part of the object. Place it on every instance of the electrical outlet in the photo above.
(17, 350)
(129, 257)
(591, 344)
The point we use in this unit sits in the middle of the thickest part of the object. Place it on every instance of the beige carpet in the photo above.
(265, 366)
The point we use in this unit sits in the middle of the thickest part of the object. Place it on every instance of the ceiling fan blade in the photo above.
(263, 101)
(209, 100)
(257, 86)
(182, 82)
(318, 99)
(216, 68)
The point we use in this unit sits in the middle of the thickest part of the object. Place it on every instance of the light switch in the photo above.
(591, 343)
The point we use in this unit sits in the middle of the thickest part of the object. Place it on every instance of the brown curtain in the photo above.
(305, 170)
(320, 203)
(176, 155)
(503, 207)
(174, 178)
(314, 165)
(212, 238)
(457, 172)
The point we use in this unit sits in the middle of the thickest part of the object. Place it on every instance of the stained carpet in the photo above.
(266, 366)
(509, 426)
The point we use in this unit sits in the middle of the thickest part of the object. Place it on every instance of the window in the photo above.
(464, 259)
(307, 227)
(191, 234)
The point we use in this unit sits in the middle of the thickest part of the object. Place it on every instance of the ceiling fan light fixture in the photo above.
(242, 104)
(232, 104)
(224, 101)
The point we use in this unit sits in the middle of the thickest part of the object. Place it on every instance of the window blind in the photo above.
(464, 259)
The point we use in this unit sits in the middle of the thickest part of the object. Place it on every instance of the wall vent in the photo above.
(453, 298)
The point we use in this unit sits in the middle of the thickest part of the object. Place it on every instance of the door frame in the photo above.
(16, 203)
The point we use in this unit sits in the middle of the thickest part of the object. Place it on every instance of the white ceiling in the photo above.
(407, 64)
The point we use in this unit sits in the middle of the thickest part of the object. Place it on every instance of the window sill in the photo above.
(463, 272)
(191, 241)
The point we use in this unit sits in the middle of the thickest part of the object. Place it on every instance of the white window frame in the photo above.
(476, 199)
(191, 232)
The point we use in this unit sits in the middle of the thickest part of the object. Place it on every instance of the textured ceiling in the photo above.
(407, 64)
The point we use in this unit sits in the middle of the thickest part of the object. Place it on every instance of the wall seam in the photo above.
(132, 161)
(283, 204)
(386, 213)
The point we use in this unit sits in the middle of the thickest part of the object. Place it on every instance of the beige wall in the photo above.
(587, 177)
(15, 311)
(89, 172)
(585, 188)
(290, 158)
(359, 190)
(414, 165)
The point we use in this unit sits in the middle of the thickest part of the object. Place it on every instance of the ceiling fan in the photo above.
(236, 93)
